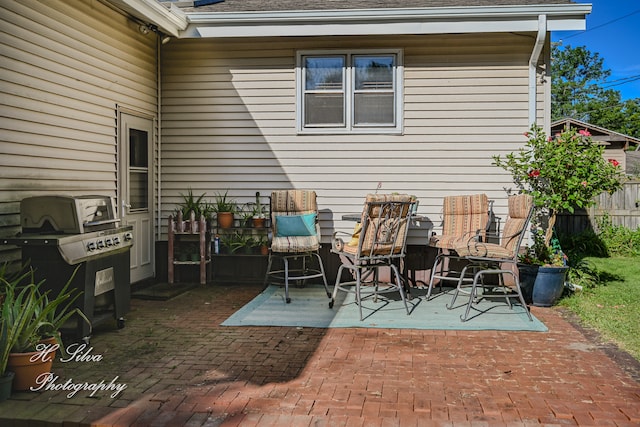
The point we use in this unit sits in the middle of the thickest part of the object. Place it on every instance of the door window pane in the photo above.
(138, 151)
(138, 169)
(138, 190)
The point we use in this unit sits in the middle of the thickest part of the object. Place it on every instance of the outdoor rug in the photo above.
(309, 307)
(163, 291)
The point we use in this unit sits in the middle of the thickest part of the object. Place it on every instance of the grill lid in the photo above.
(67, 214)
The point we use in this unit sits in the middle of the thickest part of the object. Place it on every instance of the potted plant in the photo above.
(225, 209)
(240, 242)
(247, 214)
(30, 316)
(188, 252)
(562, 172)
(259, 213)
(262, 243)
(196, 204)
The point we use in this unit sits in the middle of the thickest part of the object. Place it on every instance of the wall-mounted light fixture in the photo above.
(147, 28)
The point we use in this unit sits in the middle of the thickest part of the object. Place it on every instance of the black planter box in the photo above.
(239, 268)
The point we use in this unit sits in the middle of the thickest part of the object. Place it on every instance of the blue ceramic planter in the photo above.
(528, 274)
(548, 286)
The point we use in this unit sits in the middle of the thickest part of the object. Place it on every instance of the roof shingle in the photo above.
(290, 5)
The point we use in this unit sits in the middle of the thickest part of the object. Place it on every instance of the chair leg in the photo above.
(336, 287)
(358, 294)
(400, 288)
(376, 285)
(286, 280)
(268, 274)
(324, 276)
(438, 263)
(478, 280)
(521, 298)
(472, 295)
(463, 275)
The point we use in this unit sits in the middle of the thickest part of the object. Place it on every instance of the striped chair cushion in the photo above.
(519, 208)
(447, 241)
(462, 216)
(295, 244)
(484, 250)
(293, 202)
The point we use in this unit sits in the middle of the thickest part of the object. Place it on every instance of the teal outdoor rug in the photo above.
(309, 307)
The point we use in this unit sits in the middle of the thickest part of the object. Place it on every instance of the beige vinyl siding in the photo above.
(65, 68)
(229, 122)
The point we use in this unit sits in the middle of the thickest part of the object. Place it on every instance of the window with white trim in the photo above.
(354, 92)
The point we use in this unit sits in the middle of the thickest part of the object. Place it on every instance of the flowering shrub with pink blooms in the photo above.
(562, 172)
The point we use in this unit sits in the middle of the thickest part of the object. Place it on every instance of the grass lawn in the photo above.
(613, 308)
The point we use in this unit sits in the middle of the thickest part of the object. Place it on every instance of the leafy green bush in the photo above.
(608, 241)
(583, 273)
(619, 240)
(585, 243)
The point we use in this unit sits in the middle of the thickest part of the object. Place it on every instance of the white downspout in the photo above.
(159, 148)
(533, 65)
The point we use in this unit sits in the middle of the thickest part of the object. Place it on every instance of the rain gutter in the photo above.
(560, 17)
(533, 67)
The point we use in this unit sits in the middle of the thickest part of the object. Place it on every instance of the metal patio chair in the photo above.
(463, 217)
(381, 243)
(486, 259)
(296, 237)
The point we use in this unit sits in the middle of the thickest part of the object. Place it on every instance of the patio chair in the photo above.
(296, 237)
(381, 243)
(463, 217)
(496, 259)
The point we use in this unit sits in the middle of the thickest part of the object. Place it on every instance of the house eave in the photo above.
(171, 21)
(562, 17)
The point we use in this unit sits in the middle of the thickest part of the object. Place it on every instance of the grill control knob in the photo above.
(108, 242)
(128, 236)
(91, 246)
(100, 244)
(116, 240)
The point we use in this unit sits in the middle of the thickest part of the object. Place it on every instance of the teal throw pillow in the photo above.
(296, 225)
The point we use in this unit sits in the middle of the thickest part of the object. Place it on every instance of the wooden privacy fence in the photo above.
(622, 208)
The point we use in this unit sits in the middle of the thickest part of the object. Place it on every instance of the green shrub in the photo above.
(619, 240)
(585, 243)
(608, 241)
(583, 273)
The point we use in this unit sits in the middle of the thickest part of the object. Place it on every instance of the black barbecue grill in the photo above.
(62, 233)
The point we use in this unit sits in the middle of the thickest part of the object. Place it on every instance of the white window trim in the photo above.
(350, 128)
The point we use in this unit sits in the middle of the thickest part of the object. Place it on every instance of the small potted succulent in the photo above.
(259, 213)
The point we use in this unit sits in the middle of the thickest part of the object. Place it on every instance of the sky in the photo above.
(613, 31)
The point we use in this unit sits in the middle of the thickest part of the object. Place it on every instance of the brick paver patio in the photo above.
(181, 368)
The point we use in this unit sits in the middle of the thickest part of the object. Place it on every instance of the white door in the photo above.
(136, 190)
